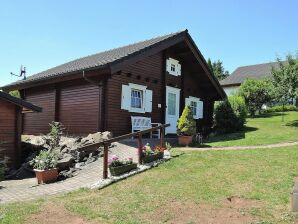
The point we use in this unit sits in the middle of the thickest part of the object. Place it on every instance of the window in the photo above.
(173, 67)
(196, 106)
(193, 106)
(136, 98)
(172, 104)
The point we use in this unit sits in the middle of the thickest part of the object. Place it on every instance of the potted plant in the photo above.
(118, 167)
(44, 166)
(186, 127)
(149, 155)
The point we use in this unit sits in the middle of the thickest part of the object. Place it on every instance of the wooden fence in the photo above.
(137, 134)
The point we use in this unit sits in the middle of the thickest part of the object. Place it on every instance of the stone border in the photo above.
(102, 183)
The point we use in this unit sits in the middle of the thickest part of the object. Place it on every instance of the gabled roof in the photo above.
(112, 60)
(258, 71)
(19, 102)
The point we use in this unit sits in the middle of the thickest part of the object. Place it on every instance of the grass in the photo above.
(264, 129)
(198, 177)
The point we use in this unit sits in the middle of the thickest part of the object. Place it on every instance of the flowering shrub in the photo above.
(147, 150)
(114, 161)
(45, 160)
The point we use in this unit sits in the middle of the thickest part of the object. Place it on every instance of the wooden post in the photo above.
(105, 161)
(140, 146)
(162, 136)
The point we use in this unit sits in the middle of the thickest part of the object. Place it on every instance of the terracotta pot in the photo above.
(184, 140)
(46, 176)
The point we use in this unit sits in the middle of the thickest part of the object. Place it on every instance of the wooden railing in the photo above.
(138, 134)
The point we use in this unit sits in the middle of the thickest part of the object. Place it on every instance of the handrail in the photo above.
(107, 143)
(121, 137)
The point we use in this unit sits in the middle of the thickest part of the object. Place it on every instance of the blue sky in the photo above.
(43, 34)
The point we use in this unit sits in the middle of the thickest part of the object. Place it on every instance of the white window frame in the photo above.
(200, 105)
(146, 101)
(171, 62)
(138, 88)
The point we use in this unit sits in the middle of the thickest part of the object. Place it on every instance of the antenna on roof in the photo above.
(22, 72)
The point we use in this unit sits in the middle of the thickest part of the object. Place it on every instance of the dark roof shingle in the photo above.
(258, 71)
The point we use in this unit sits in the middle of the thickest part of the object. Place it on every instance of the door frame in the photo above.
(177, 92)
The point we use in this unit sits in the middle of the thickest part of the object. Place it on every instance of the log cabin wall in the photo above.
(189, 82)
(44, 97)
(73, 103)
(147, 72)
(79, 108)
(9, 135)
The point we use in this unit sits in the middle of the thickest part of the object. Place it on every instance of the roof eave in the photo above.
(57, 78)
(209, 73)
(19, 102)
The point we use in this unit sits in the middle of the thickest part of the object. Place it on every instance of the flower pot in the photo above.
(46, 176)
(152, 157)
(184, 140)
(118, 170)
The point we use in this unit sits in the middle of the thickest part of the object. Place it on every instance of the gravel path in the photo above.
(241, 147)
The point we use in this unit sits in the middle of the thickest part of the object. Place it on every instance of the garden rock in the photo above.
(66, 162)
(70, 158)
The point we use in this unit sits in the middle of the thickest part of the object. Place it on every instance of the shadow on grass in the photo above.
(267, 115)
(292, 123)
(225, 137)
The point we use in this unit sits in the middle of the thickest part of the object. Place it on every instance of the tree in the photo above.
(186, 123)
(285, 79)
(230, 115)
(15, 93)
(256, 93)
(217, 69)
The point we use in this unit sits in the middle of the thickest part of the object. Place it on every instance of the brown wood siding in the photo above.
(192, 88)
(117, 120)
(79, 108)
(8, 131)
(36, 123)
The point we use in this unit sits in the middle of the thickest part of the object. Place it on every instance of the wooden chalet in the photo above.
(154, 78)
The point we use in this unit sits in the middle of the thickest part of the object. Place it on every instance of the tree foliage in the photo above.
(218, 69)
(256, 93)
(230, 115)
(15, 93)
(186, 123)
(285, 79)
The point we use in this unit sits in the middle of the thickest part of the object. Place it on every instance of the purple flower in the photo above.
(114, 157)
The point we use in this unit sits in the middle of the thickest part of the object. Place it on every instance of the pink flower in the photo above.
(130, 158)
(114, 157)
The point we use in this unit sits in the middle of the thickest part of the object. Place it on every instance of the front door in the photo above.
(172, 109)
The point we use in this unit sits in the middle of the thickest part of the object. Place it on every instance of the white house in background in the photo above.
(232, 83)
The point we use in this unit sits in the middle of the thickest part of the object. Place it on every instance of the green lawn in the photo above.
(265, 129)
(193, 183)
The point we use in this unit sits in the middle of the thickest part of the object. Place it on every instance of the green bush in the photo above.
(230, 115)
(186, 123)
(281, 109)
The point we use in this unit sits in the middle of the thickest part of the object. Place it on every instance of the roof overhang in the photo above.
(27, 107)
